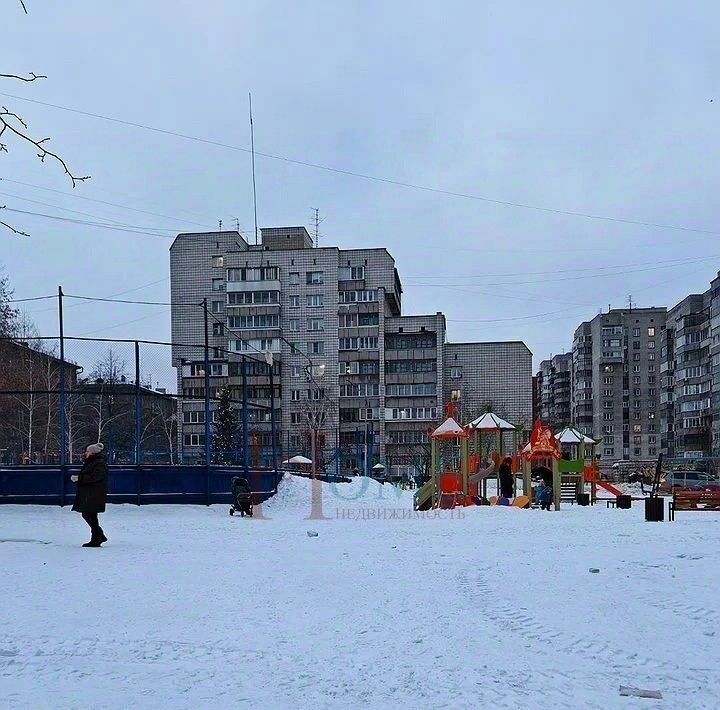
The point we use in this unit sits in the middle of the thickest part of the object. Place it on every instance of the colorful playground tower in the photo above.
(457, 453)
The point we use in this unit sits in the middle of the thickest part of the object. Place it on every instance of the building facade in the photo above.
(344, 357)
(554, 390)
(616, 381)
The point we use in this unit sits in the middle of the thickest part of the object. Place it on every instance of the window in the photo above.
(258, 345)
(297, 418)
(217, 262)
(294, 278)
(636, 345)
(358, 296)
(651, 356)
(316, 347)
(261, 273)
(456, 372)
(314, 278)
(218, 285)
(363, 389)
(194, 440)
(651, 427)
(651, 368)
(607, 380)
(294, 302)
(608, 416)
(607, 393)
(637, 428)
(637, 452)
(607, 405)
(636, 332)
(651, 332)
(636, 368)
(315, 300)
(636, 392)
(652, 439)
(652, 451)
(216, 369)
(253, 298)
(636, 380)
(351, 273)
(216, 306)
(316, 394)
(410, 390)
(609, 452)
(194, 417)
(651, 380)
(316, 324)
(691, 423)
(295, 395)
(295, 371)
(361, 343)
(636, 404)
(294, 325)
(218, 329)
(651, 344)
(636, 357)
(636, 416)
(651, 415)
(260, 320)
(608, 428)
(609, 368)
(651, 392)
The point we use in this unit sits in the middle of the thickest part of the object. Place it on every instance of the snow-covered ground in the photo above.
(187, 607)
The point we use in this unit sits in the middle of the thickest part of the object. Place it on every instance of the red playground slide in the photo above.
(609, 487)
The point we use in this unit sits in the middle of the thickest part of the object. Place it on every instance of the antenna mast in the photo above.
(252, 151)
(316, 220)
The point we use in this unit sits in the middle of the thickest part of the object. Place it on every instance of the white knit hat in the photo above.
(95, 448)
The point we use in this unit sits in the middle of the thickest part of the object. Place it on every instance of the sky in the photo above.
(600, 108)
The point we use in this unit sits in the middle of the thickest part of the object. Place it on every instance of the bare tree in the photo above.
(13, 127)
(107, 372)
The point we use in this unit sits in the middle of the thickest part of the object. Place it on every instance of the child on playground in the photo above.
(544, 494)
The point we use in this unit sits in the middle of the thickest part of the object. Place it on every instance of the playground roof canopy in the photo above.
(570, 435)
(491, 422)
(449, 429)
(298, 460)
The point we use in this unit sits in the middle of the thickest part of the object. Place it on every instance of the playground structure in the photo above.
(457, 452)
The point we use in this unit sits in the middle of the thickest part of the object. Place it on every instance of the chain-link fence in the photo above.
(147, 402)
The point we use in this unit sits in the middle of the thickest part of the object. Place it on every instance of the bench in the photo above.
(693, 500)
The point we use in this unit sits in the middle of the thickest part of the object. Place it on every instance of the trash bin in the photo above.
(655, 510)
(583, 499)
(624, 502)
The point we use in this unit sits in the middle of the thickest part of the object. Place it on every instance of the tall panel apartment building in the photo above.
(616, 381)
(554, 386)
(687, 379)
(383, 381)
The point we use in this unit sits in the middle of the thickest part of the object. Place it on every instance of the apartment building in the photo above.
(686, 368)
(553, 393)
(616, 381)
(343, 353)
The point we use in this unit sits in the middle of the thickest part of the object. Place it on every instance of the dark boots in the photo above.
(98, 536)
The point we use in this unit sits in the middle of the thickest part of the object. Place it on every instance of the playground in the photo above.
(189, 607)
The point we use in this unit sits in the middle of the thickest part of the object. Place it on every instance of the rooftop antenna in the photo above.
(630, 303)
(252, 151)
(219, 225)
(316, 224)
(237, 224)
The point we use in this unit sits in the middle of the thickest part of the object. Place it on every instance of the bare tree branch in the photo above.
(32, 76)
(22, 3)
(11, 228)
(5, 125)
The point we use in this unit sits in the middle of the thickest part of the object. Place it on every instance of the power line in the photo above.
(87, 223)
(105, 202)
(375, 178)
(34, 298)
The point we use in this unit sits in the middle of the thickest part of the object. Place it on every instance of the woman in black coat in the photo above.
(92, 492)
(507, 480)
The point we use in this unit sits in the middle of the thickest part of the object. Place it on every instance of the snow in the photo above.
(187, 607)
(491, 422)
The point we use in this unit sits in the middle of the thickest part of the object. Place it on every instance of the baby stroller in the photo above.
(241, 497)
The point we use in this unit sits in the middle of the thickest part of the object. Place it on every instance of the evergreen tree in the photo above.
(225, 428)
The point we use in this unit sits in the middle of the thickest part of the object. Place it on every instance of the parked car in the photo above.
(688, 480)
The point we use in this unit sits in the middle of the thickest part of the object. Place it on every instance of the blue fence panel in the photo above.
(48, 485)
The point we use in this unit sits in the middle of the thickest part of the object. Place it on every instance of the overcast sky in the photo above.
(609, 109)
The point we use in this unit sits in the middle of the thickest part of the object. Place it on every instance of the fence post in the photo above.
(138, 420)
(63, 424)
(207, 403)
(245, 427)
